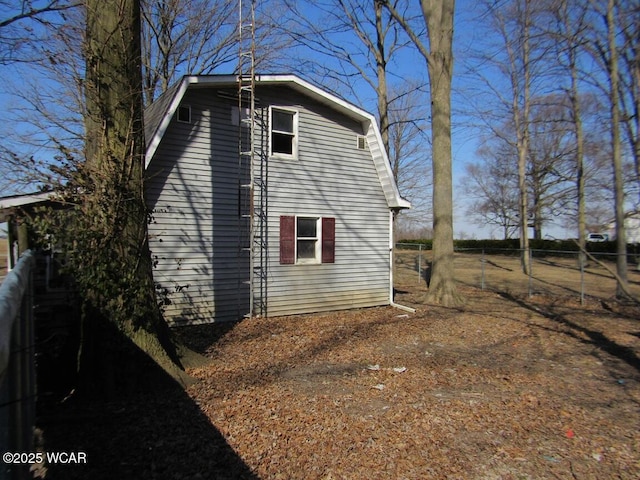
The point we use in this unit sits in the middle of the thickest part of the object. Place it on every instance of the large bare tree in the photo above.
(608, 53)
(519, 55)
(514, 57)
(437, 51)
(629, 15)
(569, 33)
(550, 162)
(491, 185)
(111, 254)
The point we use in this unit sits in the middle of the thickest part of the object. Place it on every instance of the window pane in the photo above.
(282, 121)
(307, 249)
(281, 143)
(307, 227)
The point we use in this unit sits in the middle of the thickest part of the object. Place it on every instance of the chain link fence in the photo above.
(552, 272)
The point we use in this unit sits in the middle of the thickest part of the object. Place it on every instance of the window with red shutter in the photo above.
(307, 240)
(287, 239)
(328, 240)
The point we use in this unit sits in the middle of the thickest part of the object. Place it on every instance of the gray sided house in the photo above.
(300, 223)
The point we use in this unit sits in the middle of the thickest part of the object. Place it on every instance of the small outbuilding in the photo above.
(280, 205)
(274, 198)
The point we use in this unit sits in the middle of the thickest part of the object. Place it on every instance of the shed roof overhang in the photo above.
(160, 113)
(9, 204)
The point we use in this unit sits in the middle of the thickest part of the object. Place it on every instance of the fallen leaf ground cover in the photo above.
(502, 393)
(507, 386)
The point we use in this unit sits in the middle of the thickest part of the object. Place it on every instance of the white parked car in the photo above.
(597, 237)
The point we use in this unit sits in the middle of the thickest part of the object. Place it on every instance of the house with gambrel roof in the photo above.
(282, 208)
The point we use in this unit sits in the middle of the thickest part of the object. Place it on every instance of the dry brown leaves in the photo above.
(501, 388)
(506, 387)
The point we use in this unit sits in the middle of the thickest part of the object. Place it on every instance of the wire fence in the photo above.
(551, 272)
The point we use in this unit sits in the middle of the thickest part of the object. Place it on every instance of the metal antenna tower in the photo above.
(251, 170)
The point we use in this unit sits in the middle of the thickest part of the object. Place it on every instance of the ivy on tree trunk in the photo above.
(114, 268)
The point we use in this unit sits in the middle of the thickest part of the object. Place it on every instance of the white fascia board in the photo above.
(383, 167)
(317, 93)
(21, 200)
(166, 119)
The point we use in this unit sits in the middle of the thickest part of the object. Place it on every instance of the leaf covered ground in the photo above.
(505, 387)
(506, 392)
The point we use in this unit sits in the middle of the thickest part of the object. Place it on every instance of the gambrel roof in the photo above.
(159, 114)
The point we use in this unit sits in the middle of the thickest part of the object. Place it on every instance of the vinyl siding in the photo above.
(192, 189)
(330, 178)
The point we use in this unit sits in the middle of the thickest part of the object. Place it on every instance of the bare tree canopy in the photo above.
(365, 54)
(198, 37)
(24, 23)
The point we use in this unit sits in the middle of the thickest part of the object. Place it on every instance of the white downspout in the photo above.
(391, 302)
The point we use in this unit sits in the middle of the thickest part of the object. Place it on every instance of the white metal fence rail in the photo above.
(17, 365)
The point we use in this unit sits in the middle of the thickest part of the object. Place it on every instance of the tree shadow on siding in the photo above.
(149, 429)
(193, 192)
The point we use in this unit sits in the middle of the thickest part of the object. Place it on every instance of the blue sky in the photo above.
(411, 64)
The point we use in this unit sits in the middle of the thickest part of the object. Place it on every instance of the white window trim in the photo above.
(318, 239)
(294, 146)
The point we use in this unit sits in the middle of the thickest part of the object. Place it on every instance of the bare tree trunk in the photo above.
(438, 18)
(438, 15)
(572, 43)
(621, 240)
(629, 13)
(522, 131)
(116, 279)
(381, 70)
(580, 176)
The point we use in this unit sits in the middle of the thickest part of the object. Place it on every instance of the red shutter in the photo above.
(328, 240)
(287, 239)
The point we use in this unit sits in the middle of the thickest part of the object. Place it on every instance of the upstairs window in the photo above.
(307, 240)
(284, 133)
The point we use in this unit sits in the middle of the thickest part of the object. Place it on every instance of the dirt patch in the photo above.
(508, 386)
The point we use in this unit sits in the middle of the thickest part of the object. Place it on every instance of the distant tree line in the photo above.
(557, 101)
